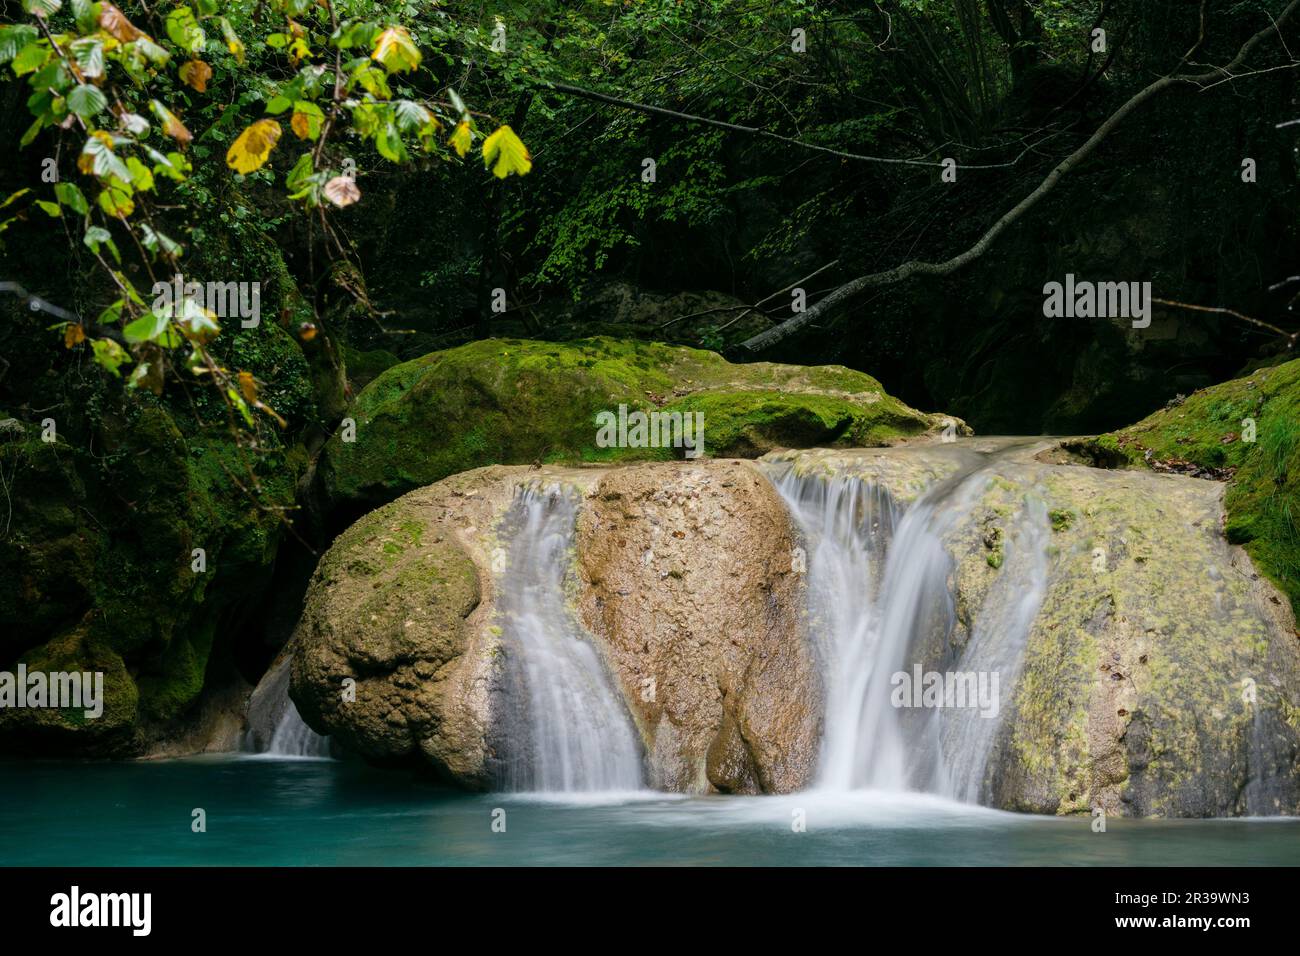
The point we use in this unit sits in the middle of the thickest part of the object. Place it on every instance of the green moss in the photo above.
(1211, 429)
(512, 401)
(1061, 519)
(364, 367)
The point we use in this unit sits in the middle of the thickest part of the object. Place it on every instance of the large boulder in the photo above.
(513, 401)
(684, 583)
(688, 584)
(1154, 674)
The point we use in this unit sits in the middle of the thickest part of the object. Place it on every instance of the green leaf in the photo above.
(42, 8)
(157, 242)
(14, 197)
(31, 58)
(88, 54)
(38, 124)
(115, 199)
(86, 13)
(13, 37)
(87, 101)
(141, 177)
(301, 171)
(151, 51)
(185, 31)
(238, 401)
(411, 116)
(109, 354)
(389, 143)
(96, 236)
(148, 327)
(71, 196)
(278, 105)
(357, 34)
(112, 314)
(51, 209)
(103, 162)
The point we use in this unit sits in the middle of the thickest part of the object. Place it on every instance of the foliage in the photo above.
(119, 85)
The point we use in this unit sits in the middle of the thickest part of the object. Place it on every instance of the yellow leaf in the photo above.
(253, 146)
(115, 199)
(196, 73)
(73, 333)
(248, 386)
(172, 125)
(396, 50)
(460, 137)
(508, 152)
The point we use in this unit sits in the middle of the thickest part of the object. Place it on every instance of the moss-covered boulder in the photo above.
(1247, 432)
(517, 401)
(139, 532)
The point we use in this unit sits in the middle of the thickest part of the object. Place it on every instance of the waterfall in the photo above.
(569, 729)
(880, 604)
(997, 646)
(273, 725)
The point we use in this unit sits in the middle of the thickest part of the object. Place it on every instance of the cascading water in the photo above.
(997, 646)
(879, 599)
(274, 726)
(570, 730)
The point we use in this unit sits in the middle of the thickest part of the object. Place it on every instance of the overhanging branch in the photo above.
(920, 268)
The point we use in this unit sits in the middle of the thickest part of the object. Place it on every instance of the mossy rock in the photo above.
(364, 367)
(1210, 433)
(96, 561)
(512, 401)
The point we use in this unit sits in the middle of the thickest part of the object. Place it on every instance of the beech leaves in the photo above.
(253, 146)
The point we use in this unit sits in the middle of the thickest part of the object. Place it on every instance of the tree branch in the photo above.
(586, 94)
(920, 268)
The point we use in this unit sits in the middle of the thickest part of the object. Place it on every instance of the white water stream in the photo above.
(571, 730)
(880, 605)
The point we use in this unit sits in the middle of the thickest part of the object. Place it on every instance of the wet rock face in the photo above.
(1153, 672)
(688, 584)
(1158, 675)
(684, 585)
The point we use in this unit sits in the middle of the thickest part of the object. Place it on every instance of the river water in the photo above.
(271, 811)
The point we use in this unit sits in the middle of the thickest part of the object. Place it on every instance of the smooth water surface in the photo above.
(269, 811)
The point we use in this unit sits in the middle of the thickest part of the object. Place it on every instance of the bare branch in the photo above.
(920, 268)
(583, 93)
